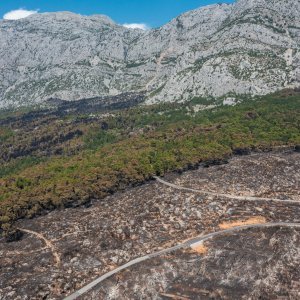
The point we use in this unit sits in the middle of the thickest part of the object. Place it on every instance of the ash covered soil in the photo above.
(251, 264)
(64, 250)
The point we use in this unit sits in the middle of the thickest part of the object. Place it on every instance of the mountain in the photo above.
(249, 47)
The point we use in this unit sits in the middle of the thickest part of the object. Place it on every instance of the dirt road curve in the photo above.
(191, 243)
(239, 198)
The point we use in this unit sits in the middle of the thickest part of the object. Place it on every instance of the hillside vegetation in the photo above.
(50, 161)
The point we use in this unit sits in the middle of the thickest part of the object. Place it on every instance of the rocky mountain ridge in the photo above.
(249, 47)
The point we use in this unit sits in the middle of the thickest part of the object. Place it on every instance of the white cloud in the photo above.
(142, 26)
(19, 14)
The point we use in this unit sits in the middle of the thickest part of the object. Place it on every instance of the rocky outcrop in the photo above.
(249, 47)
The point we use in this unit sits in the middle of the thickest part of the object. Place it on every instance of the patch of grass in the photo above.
(18, 165)
(5, 134)
(201, 100)
(97, 138)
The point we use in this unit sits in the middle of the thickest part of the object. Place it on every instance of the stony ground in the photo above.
(64, 250)
(251, 264)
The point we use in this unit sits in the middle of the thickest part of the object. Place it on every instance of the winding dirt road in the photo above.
(239, 198)
(193, 243)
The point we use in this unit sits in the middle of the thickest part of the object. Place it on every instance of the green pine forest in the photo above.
(52, 161)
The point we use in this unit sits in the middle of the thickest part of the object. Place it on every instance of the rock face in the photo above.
(250, 47)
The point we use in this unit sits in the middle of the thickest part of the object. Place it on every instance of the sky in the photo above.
(134, 13)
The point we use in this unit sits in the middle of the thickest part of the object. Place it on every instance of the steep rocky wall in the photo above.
(246, 47)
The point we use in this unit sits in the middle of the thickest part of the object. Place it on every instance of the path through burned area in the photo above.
(64, 250)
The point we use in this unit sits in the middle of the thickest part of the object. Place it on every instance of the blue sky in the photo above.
(151, 12)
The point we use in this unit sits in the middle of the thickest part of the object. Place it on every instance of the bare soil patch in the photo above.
(200, 249)
(250, 221)
(91, 241)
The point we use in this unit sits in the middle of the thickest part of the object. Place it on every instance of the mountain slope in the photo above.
(247, 47)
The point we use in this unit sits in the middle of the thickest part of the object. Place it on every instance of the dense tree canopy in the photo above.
(56, 162)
